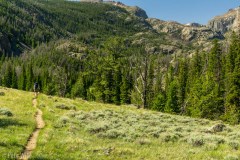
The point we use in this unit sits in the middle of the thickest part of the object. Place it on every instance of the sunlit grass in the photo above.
(15, 129)
(102, 131)
(77, 129)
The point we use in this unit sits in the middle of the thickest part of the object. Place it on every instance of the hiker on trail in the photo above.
(35, 87)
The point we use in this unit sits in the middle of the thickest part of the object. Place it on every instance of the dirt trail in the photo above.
(32, 141)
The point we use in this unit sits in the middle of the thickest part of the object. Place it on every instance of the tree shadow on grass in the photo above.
(10, 144)
(40, 158)
(5, 122)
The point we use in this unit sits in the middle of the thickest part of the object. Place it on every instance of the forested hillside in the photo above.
(206, 85)
(86, 50)
(25, 24)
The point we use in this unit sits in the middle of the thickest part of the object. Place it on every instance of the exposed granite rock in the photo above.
(199, 34)
(194, 25)
(139, 12)
(226, 22)
(92, 1)
(134, 10)
(188, 32)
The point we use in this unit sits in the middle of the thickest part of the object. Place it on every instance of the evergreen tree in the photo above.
(7, 78)
(172, 105)
(126, 89)
(14, 79)
(232, 104)
(159, 102)
(182, 83)
(150, 85)
(117, 85)
(79, 88)
(107, 83)
(29, 77)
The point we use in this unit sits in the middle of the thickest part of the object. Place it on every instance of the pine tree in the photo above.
(117, 85)
(7, 78)
(29, 77)
(150, 85)
(14, 79)
(79, 89)
(126, 89)
(232, 103)
(182, 83)
(22, 79)
(107, 83)
(172, 105)
(193, 107)
(159, 102)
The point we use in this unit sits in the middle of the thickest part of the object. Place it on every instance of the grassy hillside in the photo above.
(77, 129)
(16, 121)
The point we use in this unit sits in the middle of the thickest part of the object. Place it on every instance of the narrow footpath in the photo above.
(32, 141)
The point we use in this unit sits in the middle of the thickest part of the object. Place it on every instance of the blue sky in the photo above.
(184, 11)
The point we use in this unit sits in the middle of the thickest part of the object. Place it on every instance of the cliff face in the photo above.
(226, 22)
(135, 10)
(189, 32)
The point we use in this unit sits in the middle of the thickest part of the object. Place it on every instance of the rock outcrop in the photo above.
(227, 22)
(189, 32)
(139, 12)
(134, 10)
(194, 25)
(92, 1)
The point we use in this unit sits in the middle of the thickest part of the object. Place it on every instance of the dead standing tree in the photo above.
(142, 61)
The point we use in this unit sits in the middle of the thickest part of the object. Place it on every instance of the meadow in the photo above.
(16, 121)
(78, 129)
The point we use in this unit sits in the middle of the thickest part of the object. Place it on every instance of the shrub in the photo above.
(64, 107)
(126, 151)
(64, 119)
(214, 139)
(211, 146)
(156, 132)
(231, 157)
(82, 116)
(2, 94)
(170, 137)
(61, 122)
(143, 141)
(107, 151)
(234, 144)
(234, 134)
(97, 114)
(217, 128)
(112, 134)
(6, 112)
(196, 141)
(178, 129)
(97, 127)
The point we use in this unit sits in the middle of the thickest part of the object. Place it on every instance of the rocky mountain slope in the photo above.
(93, 22)
(197, 35)
(226, 22)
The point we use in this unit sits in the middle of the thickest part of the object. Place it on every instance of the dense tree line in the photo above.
(206, 85)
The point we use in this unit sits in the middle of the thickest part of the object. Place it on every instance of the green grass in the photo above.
(88, 130)
(16, 128)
